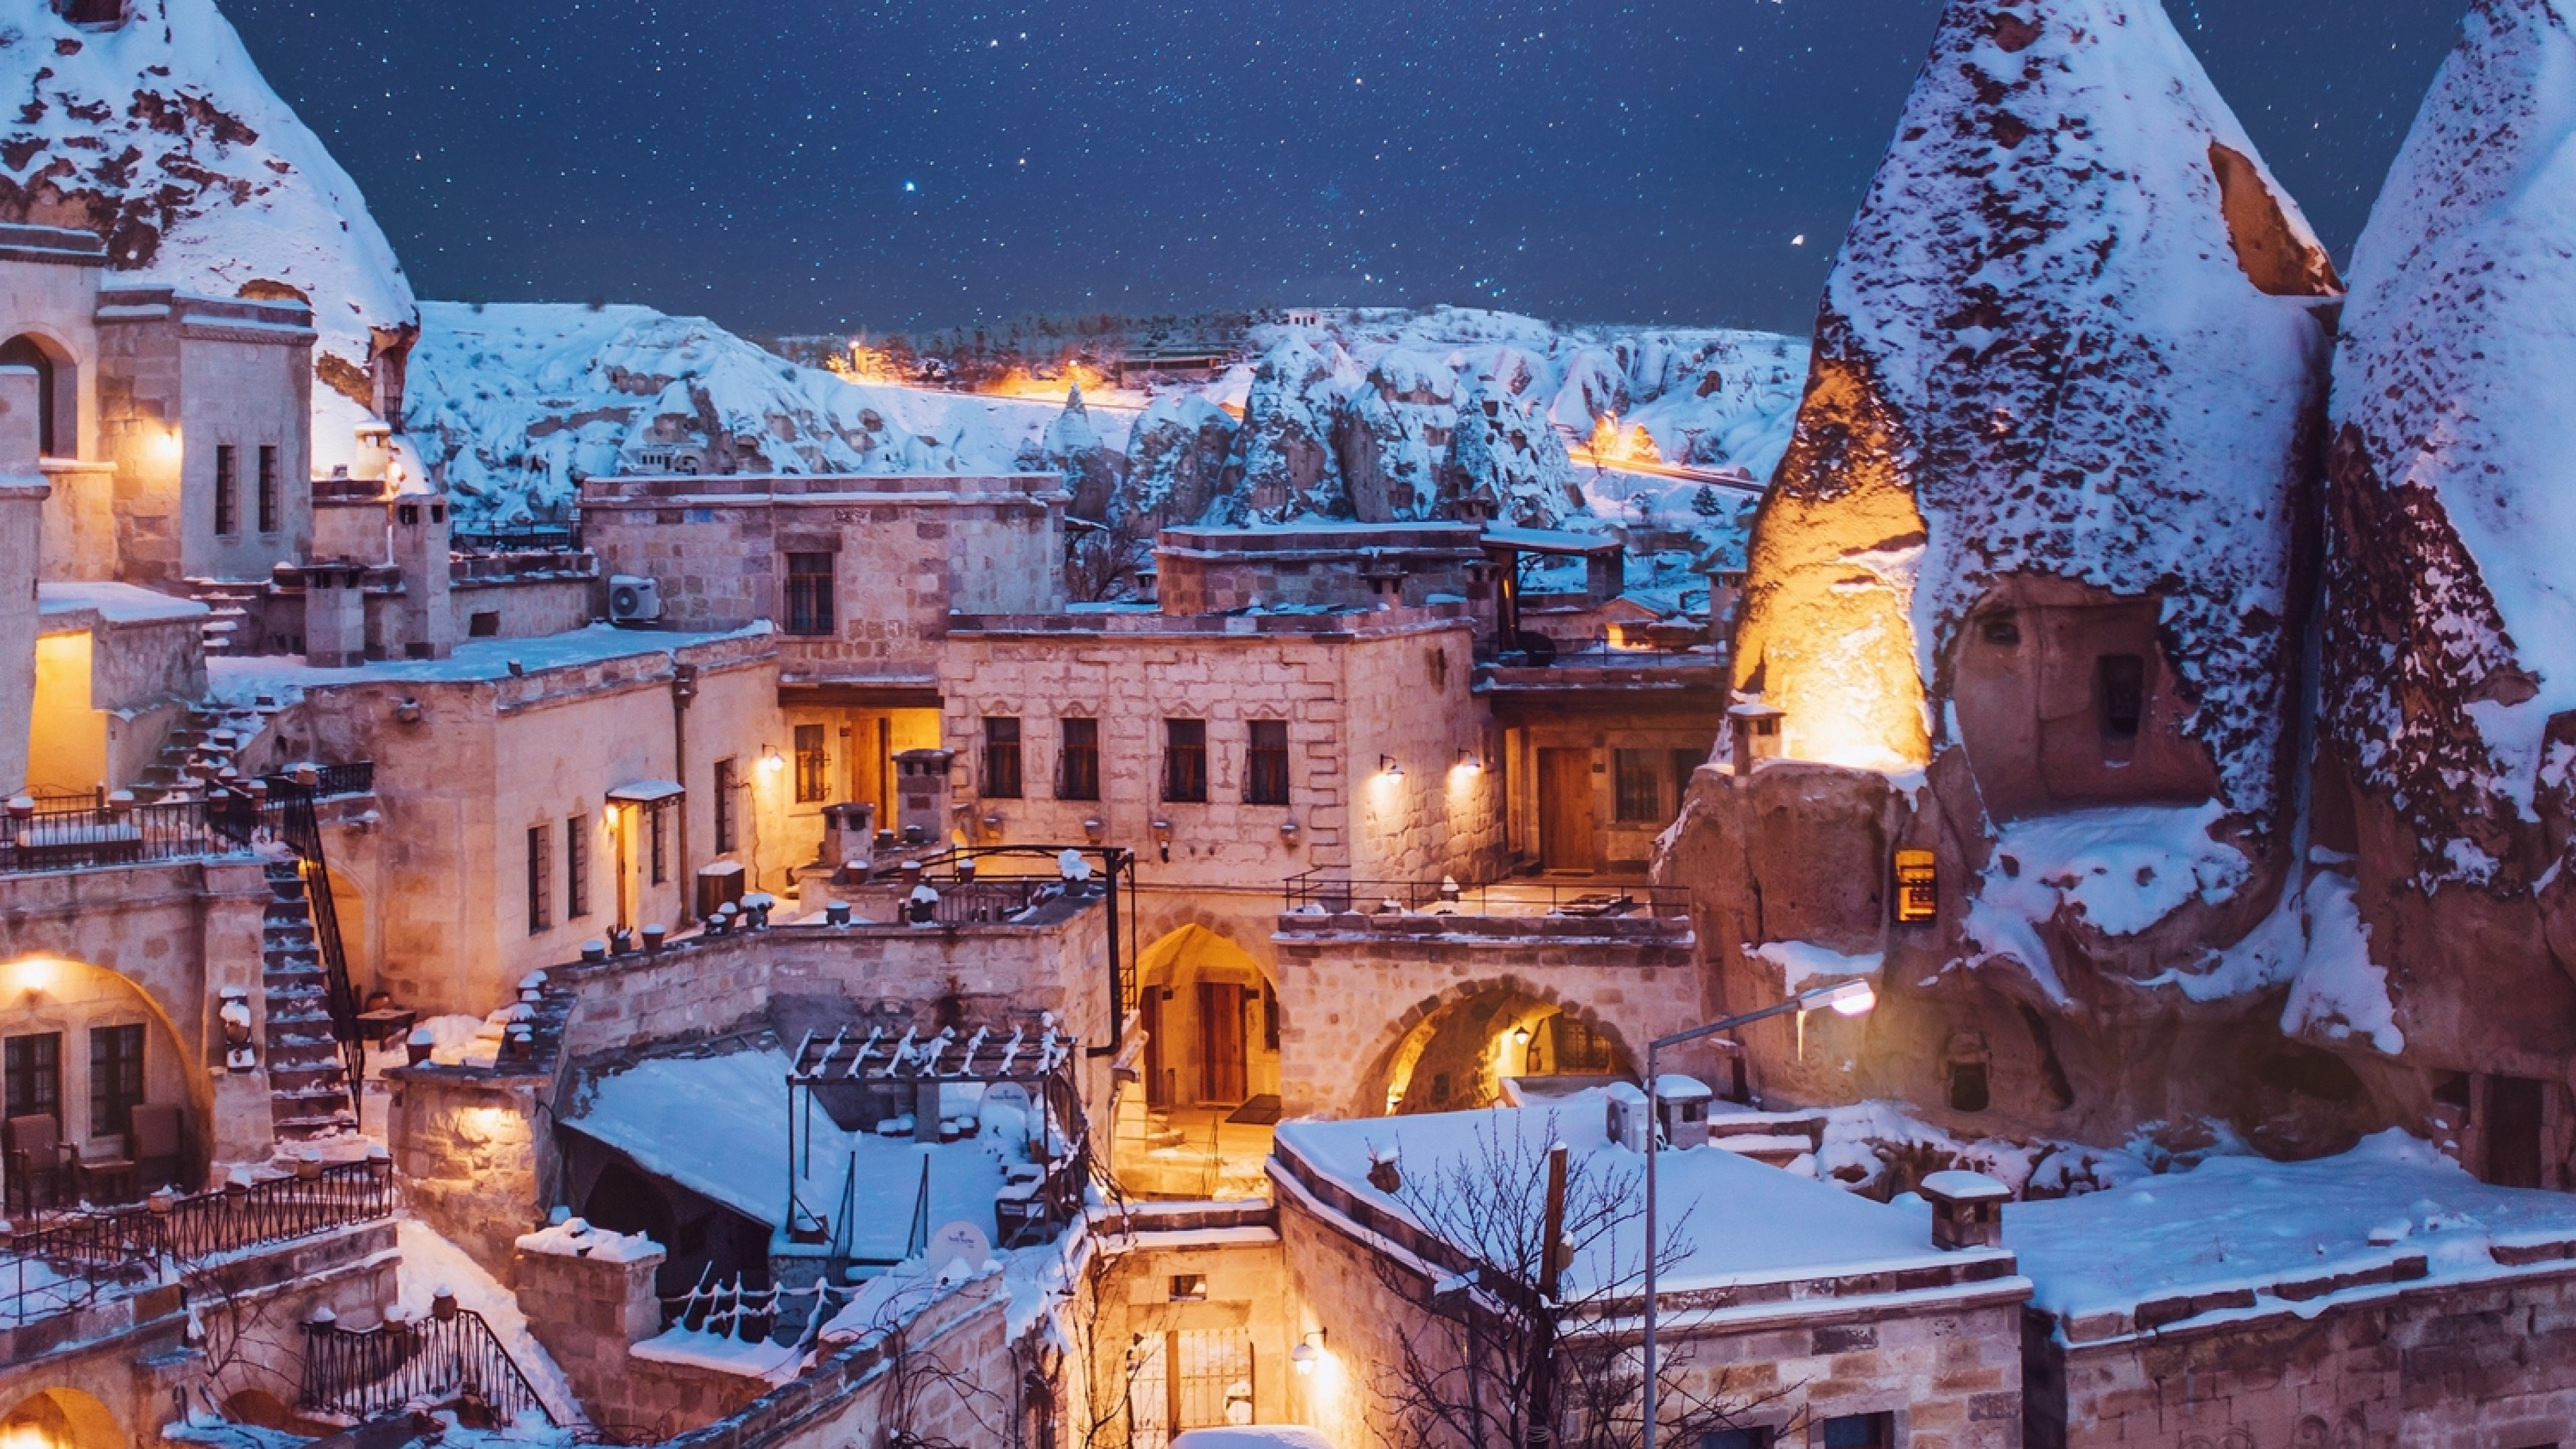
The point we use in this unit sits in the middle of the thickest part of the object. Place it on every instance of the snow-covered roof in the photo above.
(1552, 540)
(115, 603)
(2282, 1232)
(239, 677)
(717, 1125)
(2452, 613)
(1744, 1223)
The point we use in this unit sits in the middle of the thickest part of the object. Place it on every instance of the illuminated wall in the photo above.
(67, 738)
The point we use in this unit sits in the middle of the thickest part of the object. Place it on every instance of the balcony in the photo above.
(112, 828)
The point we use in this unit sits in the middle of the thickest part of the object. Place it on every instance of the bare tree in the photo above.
(1515, 1349)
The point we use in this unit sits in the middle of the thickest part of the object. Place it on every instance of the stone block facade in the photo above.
(2426, 1365)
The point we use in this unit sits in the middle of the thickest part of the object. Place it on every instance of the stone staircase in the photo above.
(308, 1085)
(200, 748)
(224, 629)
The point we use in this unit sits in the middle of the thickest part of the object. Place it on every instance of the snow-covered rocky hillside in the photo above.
(1377, 415)
(160, 135)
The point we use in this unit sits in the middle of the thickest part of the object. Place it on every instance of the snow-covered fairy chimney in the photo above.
(2030, 585)
(2449, 688)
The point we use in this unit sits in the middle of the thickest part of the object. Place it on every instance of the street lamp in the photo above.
(1845, 998)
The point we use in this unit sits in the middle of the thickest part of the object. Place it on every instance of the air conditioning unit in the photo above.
(633, 601)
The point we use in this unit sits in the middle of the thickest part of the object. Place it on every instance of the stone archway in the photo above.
(57, 390)
(1401, 1064)
(60, 1418)
(1198, 1122)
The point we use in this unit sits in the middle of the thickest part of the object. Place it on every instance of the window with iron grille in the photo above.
(541, 874)
(227, 489)
(1638, 787)
(1077, 775)
(268, 499)
(813, 765)
(1185, 759)
(659, 813)
(1265, 763)
(724, 807)
(35, 1075)
(1002, 757)
(576, 868)
(809, 593)
(115, 1078)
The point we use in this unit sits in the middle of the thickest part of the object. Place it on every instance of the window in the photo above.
(576, 868)
(1077, 775)
(1189, 1287)
(1002, 757)
(1968, 1092)
(268, 500)
(35, 1075)
(1738, 1439)
(1265, 763)
(813, 765)
(724, 803)
(227, 489)
(2124, 694)
(2516, 1107)
(115, 1078)
(660, 830)
(809, 593)
(1185, 759)
(1638, 786)
(24, 352)
(1860, 1431)
(483, 624)
(541, 874)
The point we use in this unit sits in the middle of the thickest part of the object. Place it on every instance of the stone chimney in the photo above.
(921, 795)
(418, 534)
(335, 616)
(1967, 1210)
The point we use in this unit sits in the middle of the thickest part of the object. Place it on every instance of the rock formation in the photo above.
(2029, 595)
(158, 133)
(2449, 689)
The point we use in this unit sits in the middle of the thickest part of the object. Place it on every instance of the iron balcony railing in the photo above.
(89, 832)
(358, 777)
(77, 1258)
(449, 1359)
(1597, 900)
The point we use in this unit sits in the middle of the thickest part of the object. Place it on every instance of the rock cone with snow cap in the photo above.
(2449, 692)
(2027, 590)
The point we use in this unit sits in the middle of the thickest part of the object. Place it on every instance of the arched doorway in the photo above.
(93, 1068)
(1198, 1122)
(60, 1419)
(53, 389)
(1474, 1051)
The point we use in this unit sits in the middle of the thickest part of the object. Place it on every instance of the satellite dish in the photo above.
(959, 1242)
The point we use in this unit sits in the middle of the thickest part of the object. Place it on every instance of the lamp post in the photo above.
(1846, 998)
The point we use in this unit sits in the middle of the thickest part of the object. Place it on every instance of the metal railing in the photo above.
(1595, 900)
(1596, 652)
(83, 832)
(514, 540)
(77, 1258)
(450, 1358)
(358, 777)
(301, 829)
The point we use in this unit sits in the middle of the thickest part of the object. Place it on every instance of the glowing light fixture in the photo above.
(1387, 766)
(1851, 998)
(1469, 760)
(1308, 1352)
(772, 761)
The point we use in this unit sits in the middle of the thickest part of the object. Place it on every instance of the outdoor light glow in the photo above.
(36, 973)
(167, 445)
(1469, 761)
(1851, 998)
(1387, 766)
(772, 762)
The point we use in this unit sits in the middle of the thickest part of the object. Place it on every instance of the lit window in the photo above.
(1185, 759)
(1639, 787)
(809, 593)
(1265, 763)
(813, 765)
(1078, 764)
(1002, 757)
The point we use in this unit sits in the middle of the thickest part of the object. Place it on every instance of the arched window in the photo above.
(25, 351)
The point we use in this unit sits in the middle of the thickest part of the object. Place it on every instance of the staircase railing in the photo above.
(451, 1357)
(298, 826)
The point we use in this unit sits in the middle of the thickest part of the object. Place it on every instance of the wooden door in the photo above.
(1565, 809)
(1220, 1043)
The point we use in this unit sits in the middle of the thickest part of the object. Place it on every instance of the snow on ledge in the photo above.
(1803, 963)
(575, 1238)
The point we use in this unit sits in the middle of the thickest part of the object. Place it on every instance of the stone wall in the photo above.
(1135, 1286)
(474, 1164)
(2448, 1365)
(1943, 1362)
(1353, 987)
(590, 1312)
(1215, 570)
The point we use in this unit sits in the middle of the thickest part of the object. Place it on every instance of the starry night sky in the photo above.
(813, 165)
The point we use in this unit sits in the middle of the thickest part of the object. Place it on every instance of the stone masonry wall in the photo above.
(2465, 1366)
(473, 1165)
(1352, 987)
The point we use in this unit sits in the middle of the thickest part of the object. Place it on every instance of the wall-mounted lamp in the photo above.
(771, 761)
(1308, 1351)
(1094, 828)
(993, 824)
(1387, 766)
(1288, 832)
(1469, 760)
(1163, 838)
(1520, 1036)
